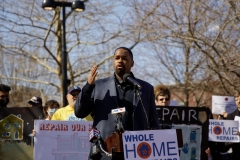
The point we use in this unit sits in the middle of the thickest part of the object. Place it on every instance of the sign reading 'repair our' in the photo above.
(157, 144)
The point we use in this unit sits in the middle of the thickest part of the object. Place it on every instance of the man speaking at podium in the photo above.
(121, 90)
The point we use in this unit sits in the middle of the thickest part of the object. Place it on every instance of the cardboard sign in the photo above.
(138, 145)
(189, 116)
(16, 125)
(61, 139)
(223, 130)
(192, 138)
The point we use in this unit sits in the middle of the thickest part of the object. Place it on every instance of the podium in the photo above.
(114, 145)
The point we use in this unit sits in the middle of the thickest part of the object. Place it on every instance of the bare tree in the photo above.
(195, 42)
(191, 44)
(33, 38)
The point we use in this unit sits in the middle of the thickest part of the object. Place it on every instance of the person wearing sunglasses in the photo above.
(67, 113)
(162, 95)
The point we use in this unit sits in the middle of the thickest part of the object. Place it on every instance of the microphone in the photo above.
(119, 112)
(128, 78)
(94, 138)
(94, 134)
(96, 147)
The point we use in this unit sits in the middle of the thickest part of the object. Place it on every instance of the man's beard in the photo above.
(120, 73)
(73, 103)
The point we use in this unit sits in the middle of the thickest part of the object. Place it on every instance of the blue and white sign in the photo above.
(223, 131)
(151, 144)
(192, 139)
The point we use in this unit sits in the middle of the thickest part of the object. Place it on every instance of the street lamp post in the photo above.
(76, 6)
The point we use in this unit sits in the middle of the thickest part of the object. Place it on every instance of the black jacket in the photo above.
(235, 146)
(102, 98)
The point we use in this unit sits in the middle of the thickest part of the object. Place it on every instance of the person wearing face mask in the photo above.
(67, 113)
(50, 108)
(4, 95)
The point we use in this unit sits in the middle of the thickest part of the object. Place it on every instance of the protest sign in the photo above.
(222, 104)
(198, 116)
(192, 138)
(61, 139)
(138, 145)
(16, 125)
(223, 130)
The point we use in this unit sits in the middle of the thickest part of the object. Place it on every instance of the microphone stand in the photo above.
(119, 126)
(136, 88)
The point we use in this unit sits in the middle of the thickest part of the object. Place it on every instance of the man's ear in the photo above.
(132, 63)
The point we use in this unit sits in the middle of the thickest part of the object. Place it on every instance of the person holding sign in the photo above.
(121, 90)
(231, 116)
(51, 106)
(219, 150)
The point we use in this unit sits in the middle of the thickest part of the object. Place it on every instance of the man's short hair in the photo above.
(161, 90)
(127, 49)
(4, 88)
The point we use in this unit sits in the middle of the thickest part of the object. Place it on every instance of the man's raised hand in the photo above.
(92, 75)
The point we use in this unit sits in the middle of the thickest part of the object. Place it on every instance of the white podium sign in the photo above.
(150, 144)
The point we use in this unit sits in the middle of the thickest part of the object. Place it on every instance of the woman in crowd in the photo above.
(50, 107)
(219, 150)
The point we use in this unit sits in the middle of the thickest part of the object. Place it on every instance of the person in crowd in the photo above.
(104, 95)
(4, 95)
(219, 150)
(226, 150)
(162, 95)
(35, 101)
(67, 113)
(162, 98)
(51, 106)
(231, 116)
